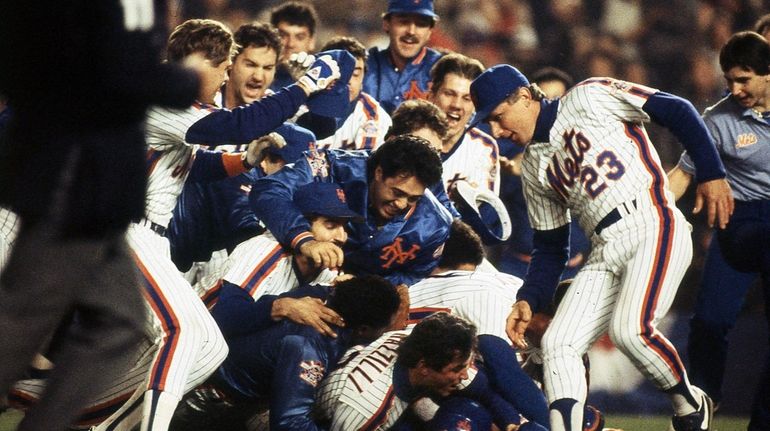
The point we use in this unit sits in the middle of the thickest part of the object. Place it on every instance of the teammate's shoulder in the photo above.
(476, 133)
(612, 86)
(432, 55)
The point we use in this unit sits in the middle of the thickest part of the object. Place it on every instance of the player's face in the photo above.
(454, 98)
(393, 196)
(356, 79)
(515, 120)
(445, 381)
(409, 33)
(252, 73)
(429, 135)
(748, 88)
(295, 38)
(329, 230)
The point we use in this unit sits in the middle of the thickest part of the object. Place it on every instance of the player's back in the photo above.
(475, 158)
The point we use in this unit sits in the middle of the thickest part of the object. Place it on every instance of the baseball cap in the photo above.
(461, 414)
(492, 87)
(334, 101)
(324, 199)
(298, 139)
(419, 7)
(483, 211)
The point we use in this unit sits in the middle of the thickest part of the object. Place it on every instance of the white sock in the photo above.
(158, 409)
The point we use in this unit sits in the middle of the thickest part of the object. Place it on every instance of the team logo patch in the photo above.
(395, 253)
(318, 165)
(341, 195)
(621, 86)
(463, 425)
(746, 139)
(414, 92)
(311, 372)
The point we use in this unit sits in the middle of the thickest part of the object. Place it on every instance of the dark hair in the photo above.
(210, 37)
(438, 340)
(459, 64)
(462, 247)
(547, 74)
(409, 155)
(367, 300)
(747, 50)
(295, 13)
(762, 24)
(258, 34)
(416, 114)
(346, 43)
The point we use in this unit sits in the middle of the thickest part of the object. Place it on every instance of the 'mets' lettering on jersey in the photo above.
(363, 374)
(565, 173)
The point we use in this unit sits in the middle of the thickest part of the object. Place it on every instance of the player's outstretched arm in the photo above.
(517, 322)
(718, 199)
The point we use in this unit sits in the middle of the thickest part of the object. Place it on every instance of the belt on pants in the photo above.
(615, 215)
(155, 227)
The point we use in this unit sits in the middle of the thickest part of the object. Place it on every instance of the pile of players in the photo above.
(312, 249)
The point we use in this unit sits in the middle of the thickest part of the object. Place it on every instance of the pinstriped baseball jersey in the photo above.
(474, 159)
(483, 298)
(169, 157)
(261, 266)
(361, 394)
(9, 226)
(363, 129)
(593, 162)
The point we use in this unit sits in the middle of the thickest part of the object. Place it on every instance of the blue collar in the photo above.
(545, 120)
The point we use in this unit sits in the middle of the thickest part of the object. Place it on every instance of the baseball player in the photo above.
(589, 153)
(261, 266)
(466, 155)
(374, 385)
(296, 23)
(282, 365)
(402, 70)
(364, 123)
(191, 346)
(739, 124)
(403, 226)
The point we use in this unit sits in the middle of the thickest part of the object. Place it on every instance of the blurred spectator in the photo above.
(296, 23)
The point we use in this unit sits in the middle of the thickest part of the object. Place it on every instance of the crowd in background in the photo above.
(671, 45)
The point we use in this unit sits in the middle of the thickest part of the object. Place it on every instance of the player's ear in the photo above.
(378, 173)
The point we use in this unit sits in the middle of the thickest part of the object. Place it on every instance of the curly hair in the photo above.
(439, 339)
(462, 247)
(258, 35)
(367, 300)
(406, 155)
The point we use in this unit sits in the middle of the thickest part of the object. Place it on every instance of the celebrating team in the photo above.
(311, 251)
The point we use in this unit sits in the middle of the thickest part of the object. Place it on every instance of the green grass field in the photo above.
(9, 419)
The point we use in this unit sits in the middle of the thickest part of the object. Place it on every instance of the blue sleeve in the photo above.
(190, 228)
(439, 191)
(207, 166)
(300, 366)
(680, 117)
(503, 413)
(248, 122)
(549, 256)
(237, 313)
(271, 200)
(510, 381)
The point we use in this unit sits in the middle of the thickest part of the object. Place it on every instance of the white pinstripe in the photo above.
(636, 264)
(359, 127)
(9, 227)
(483, 298)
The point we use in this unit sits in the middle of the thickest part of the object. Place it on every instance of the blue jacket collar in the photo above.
(545, 120)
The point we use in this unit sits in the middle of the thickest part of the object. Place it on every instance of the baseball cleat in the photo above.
(698, 421)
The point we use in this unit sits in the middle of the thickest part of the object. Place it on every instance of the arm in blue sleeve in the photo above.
(510, 381)
(237, 313)
(246, 123)
(680, 117)
(207, 166)
(294, 384)
(503, 413)
(439, 191)
(549, 256)
(271, 200)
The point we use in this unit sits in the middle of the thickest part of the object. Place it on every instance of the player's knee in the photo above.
(555, 345)
(627, 336)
